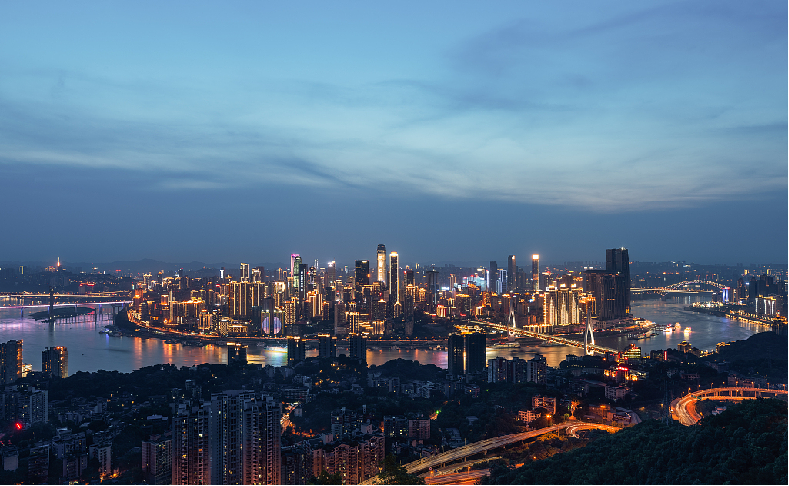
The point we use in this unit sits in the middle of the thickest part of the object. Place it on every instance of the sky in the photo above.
(449, 131)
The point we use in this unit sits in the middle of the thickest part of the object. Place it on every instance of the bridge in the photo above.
(679, 288)
(684, 408)
(547, 337)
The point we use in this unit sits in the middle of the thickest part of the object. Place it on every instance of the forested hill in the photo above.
(746, 444)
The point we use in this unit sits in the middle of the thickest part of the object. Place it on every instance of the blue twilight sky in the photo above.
(446, 130)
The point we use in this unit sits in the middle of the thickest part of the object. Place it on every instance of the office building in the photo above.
(617, 262)
(10, 361)
(535, 272)
(55, 361)
(362, 275)
(394, 277)
(511, 273)
(157, 460)
(380, 269)
(455, 348)
(493, 277)
(475, 352)
(296, 350)
(609, 291)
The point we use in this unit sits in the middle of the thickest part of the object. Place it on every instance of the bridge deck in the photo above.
(547, 337)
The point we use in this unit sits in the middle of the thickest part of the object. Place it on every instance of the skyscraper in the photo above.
(245, 433)
(10, 361)
(191, 462)
(394, 277)
(380, 270)
(55, 361)
(362, 276)
(535, 272)
(296, 350)
(244, 274)
(617, 261)
(511, 273)
(493, 277)
(455, 345)
(357, 347)
(475, 352)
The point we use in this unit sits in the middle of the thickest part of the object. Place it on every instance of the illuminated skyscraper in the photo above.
(535, 272)
(55, 361)
(493, 277)
(394, 277)
(244, 273)
(380, 270)
(331, 274)
(295, 260)
(362, 274)
(511, 273)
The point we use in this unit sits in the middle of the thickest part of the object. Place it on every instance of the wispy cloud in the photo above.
(653, 107)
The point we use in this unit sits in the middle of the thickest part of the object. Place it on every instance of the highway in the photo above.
(683, 409)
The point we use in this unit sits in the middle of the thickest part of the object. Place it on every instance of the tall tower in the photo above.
(617, 262)
(493, 277)
(244, 273)
(362, 276)
(511, 273)
(394, 277)
(455, 345)
(380, 270)
(535, 272)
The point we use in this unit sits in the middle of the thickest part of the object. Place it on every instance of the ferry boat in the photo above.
(505, 345)
(550, 343)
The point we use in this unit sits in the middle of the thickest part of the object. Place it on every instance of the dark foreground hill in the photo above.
(746, 444)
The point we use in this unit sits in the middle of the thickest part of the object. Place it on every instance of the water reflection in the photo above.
(91, 351)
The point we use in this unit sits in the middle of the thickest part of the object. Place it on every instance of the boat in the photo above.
(171, 341)
(505, 345)
(550, 343)
(687, 330)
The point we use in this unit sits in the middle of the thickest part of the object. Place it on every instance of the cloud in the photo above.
(649, 107)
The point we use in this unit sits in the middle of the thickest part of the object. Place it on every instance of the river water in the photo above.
(90, 351)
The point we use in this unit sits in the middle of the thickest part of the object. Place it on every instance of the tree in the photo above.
(394, 473)
(326, 478)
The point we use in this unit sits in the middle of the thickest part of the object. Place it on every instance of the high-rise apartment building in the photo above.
(191, 462)
(10, 361)
(380, 270)
(245, 434)
(244, 273)
(157, 460)
(511, 273)
(357, 347)
(475, 352)
(455, 348)
(54, 361)
(327, 346)
(297, 350)
(535, 272)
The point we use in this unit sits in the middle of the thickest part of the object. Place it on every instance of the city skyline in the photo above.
(247, 131)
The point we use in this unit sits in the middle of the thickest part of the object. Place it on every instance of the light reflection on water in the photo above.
(91, 351)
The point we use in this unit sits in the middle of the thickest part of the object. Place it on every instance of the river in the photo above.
(90, 351)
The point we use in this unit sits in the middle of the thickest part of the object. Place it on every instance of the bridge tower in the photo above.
(511, 322)
(588, 335)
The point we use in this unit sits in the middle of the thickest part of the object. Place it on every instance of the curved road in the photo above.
(684, 408)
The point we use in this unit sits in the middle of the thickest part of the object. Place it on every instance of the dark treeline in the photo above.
(746, 444)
